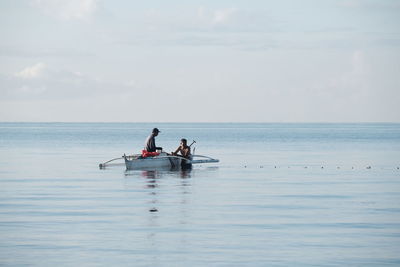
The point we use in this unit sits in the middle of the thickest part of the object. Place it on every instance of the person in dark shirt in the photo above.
(151, 142)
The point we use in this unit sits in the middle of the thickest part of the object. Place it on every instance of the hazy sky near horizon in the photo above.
(200, 61)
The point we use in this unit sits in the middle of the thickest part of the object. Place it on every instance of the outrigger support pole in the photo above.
(103, 165)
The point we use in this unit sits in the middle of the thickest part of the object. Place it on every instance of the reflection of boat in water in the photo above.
(165, 161)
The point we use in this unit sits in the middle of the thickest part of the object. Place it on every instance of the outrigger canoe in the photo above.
(161, 161)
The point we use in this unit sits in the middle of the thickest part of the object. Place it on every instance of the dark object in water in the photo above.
(185, 166)
(153, 210)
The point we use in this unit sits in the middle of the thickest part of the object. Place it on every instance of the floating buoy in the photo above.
(369, 167)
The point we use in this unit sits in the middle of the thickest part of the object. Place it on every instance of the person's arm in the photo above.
(177, 150)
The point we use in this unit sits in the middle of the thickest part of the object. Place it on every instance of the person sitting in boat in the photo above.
(183, 149)
(151, 142)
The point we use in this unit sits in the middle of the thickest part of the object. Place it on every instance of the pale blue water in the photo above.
(282, 195)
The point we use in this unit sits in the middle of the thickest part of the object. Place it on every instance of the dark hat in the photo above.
(155, 130)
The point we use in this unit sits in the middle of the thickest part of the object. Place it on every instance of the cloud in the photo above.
(67, 9)
(369, 4)
(223, 16)
(352, 83)
(229, 27)
(349, 3)
(41, 81)
(356, 80)
(211, 18)
(359, 63)
(185, 20)
(34, 71)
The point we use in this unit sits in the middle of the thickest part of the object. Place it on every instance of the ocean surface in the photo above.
(281, 195)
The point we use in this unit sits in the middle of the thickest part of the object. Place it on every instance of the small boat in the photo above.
(161, 161)
(165, 161)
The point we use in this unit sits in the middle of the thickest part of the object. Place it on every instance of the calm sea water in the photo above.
(282, 195)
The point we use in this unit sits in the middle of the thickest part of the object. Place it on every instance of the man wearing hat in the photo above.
(151, 142)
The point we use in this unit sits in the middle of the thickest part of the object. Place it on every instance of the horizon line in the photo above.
(238, 122)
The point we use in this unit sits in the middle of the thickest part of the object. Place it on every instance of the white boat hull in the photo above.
(159, 162)
(164, 161)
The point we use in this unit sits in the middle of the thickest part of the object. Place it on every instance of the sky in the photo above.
(199, 61)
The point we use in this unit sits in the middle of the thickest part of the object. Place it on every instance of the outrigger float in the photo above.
(160, 160)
